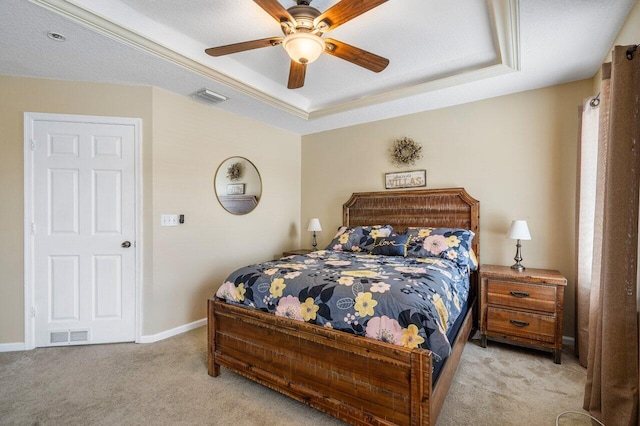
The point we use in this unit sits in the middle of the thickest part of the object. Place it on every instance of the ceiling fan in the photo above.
(303, 27)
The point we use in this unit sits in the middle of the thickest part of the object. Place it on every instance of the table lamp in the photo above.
(314, 225)
(518, 231)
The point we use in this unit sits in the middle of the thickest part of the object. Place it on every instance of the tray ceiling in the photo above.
(441, 53)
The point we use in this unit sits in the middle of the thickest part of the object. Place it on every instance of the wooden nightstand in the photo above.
(295, 252)
(522, 307)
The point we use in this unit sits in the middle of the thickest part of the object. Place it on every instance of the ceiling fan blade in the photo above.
(345, 11)
(241, 47)
(356, 55)
(296, 75)
(275, 9)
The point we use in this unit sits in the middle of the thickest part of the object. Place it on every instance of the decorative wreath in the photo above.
(405, 152)
(234, 172)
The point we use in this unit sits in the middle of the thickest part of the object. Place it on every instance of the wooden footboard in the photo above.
(357, 380)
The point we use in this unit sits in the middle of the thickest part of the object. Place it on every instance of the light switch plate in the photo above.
(169, 220)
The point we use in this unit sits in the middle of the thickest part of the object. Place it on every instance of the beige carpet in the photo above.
(166, 383)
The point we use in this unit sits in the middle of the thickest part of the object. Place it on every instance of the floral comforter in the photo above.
(409, 301)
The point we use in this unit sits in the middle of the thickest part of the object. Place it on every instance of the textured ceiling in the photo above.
(441, 52)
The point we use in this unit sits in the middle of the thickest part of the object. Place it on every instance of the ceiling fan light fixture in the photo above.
(302, 47)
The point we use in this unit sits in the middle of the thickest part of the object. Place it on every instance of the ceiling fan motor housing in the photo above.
(304, 16)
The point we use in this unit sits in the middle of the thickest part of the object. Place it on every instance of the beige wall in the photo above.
(183, 144)
(628, 35)
(190, 261)
(516, 154)
(20, 95)
(630, 32)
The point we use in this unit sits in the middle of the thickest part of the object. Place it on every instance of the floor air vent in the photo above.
(79, 336)
(68, 337)
(59, 337)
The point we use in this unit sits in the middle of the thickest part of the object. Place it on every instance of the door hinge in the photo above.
(33, 145)
(33, 311)
(33, 228)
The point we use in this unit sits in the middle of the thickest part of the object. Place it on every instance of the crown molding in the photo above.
(505, 16)
(468, 76)
(133, 39)
(503, 13)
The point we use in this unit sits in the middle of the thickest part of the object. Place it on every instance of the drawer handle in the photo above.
(520, 294)
(519, 323)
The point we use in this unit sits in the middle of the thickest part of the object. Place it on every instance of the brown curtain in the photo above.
(611, 392)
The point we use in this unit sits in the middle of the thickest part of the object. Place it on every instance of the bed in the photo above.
(353, 378)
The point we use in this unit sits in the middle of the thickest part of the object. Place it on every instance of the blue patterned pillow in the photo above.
(359, 238)
(447, 243)
(393, 245)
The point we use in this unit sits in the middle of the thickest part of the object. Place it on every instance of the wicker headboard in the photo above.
(438, 208)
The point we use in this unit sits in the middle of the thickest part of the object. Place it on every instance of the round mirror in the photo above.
(238, 185)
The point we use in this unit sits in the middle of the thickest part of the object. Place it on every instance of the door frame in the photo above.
(29, 285)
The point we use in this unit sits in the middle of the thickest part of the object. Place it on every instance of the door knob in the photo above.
(126, 244)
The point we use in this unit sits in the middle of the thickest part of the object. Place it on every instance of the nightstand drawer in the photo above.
(519, 295)
(521, 324)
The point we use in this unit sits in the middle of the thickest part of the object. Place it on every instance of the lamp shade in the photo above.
(303, 48)
(519, 230)
(314, 225)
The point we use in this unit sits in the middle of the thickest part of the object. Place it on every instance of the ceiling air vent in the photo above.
(210, 96)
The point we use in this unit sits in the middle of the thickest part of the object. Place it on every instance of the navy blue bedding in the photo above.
(407, 301)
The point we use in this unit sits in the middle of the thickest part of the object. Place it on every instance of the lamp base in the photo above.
(518, 258)
(518, 267)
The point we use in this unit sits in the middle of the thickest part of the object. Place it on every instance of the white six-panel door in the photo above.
(83, 232)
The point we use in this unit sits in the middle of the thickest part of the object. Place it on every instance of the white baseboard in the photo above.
(20, 346)
(566, 340)
(173, 332)
(12, 347)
